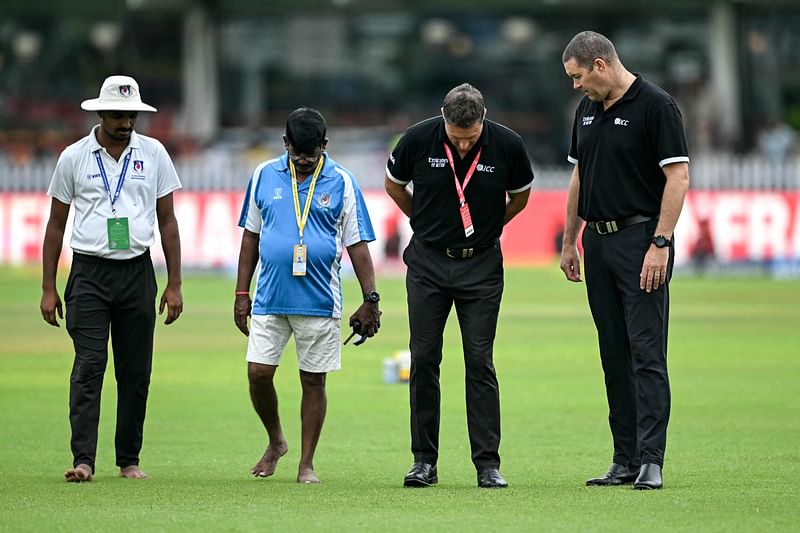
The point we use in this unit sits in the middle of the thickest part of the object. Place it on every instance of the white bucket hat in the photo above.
(118, 93)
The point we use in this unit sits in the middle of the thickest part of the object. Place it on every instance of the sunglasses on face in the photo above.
(296, 158)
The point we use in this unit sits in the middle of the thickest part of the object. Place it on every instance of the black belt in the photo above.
(86, 258)
(604, 227)
(458, 253)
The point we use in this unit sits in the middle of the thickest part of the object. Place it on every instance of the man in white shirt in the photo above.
(119, 182)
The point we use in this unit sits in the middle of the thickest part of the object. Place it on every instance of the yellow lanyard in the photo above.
(301, 221)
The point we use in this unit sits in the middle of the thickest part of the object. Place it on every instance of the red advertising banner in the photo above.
(731, 226)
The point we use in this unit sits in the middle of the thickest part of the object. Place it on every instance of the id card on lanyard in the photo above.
(466, 218)
(119, 236)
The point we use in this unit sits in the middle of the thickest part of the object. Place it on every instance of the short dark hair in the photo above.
(587, 46)
(306, 130)
(463, 106)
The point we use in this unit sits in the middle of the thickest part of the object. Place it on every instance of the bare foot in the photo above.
(80, 473)
(307, 475)
(132, 472)
(266, 466)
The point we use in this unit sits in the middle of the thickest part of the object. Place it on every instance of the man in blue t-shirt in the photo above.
(300, 211)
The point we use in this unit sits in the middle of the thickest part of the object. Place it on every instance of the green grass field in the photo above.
(733, 460)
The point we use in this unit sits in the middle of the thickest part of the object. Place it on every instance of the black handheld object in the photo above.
(361, 338)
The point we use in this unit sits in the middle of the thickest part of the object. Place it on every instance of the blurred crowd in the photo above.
(374, 72)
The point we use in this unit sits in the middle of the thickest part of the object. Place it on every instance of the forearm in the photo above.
(53, 241)
(516, 203)
(362, 265)
(367, 318)
(572, 222)
(400, 194)
(170, 239)
(248, 260)
(171, 244)
(51, 251)
(672, 202)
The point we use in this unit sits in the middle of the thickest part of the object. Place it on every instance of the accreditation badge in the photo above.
(118, 235)
(466, 219)
(299, 260)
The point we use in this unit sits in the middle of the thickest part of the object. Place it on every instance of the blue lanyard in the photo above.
(105, 178)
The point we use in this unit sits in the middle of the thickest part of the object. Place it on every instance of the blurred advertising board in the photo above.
(726, 227)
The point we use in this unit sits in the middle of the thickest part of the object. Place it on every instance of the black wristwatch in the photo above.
(661, 242)
(372, 296)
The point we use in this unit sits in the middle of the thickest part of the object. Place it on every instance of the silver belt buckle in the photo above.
(607, 227)
(456, 253)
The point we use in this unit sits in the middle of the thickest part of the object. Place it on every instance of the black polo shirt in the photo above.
(620, 152)
(419, 157)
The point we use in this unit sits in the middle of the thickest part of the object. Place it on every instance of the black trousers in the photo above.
(632, 332)
(434, 283)
(105, 294)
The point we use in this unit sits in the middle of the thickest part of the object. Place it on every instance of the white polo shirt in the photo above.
(77, 179)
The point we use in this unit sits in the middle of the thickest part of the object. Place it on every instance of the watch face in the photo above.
(661, 241)
(372, 297)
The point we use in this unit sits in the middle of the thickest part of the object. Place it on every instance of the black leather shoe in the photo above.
(616, 475)
(421, 475)
(649, 477)
(490, 478)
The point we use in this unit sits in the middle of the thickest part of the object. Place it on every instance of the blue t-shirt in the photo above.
(338, 218)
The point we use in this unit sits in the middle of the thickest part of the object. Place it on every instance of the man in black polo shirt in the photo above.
(470, 177)
(630, 177)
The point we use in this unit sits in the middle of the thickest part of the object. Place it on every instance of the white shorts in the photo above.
(317, 339)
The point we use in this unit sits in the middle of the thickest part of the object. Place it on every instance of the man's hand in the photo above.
(654, 268)
(49, 306)
(571, 263)
(369, 316)
(173, 300)
(241, 310)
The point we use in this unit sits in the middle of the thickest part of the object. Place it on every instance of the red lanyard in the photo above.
(470, 172)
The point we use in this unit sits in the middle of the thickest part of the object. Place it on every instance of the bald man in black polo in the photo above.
(471, 176)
